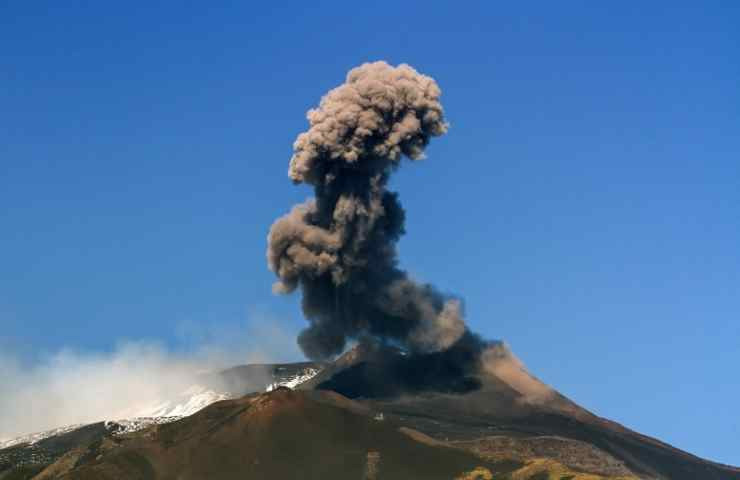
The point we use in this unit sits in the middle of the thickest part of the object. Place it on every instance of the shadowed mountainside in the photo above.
(497, 408)
(281, 434)
(346, 423)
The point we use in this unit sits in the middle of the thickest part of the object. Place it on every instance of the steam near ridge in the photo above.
(339, 248)
(72, 387)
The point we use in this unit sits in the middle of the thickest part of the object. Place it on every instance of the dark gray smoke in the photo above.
(339, 248)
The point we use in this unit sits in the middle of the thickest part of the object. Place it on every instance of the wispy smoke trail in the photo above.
(73, 387)
(339, 248)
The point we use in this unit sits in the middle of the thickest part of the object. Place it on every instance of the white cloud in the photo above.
(71, 386)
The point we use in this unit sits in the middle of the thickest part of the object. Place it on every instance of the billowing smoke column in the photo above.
(339, 248)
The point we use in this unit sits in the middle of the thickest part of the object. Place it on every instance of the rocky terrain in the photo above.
(341, 421)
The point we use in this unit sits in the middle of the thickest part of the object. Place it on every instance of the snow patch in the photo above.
(307, 374)
(193, 400)
(139, 417)
(33, 438)
(120, 427)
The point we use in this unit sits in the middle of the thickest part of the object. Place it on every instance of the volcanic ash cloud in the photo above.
(339, 248)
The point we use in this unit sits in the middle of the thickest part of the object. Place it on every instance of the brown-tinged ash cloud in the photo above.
(498, 360)
(339, 248)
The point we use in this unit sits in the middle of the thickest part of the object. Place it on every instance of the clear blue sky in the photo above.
(585, 202)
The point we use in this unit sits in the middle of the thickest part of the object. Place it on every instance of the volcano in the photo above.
(363, 416)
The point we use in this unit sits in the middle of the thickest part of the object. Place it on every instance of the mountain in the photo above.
(22, 456)
(362, 417)
(282, 434)
(513, 412)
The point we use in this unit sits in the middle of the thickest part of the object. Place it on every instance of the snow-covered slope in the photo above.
(187, 403)
(38, 436)
(191, 401)
(196, 398)
(308, 374)
(136, 418)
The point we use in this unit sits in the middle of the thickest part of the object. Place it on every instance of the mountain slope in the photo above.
(23, 456)
(511, 403)
(358, 417)
(282, 434)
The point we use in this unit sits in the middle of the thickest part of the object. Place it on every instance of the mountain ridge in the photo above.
(493, 425)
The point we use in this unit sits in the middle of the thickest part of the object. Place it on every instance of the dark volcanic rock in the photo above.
(281, 434)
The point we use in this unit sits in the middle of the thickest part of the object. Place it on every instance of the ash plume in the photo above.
(339, 248)
(498, 360)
